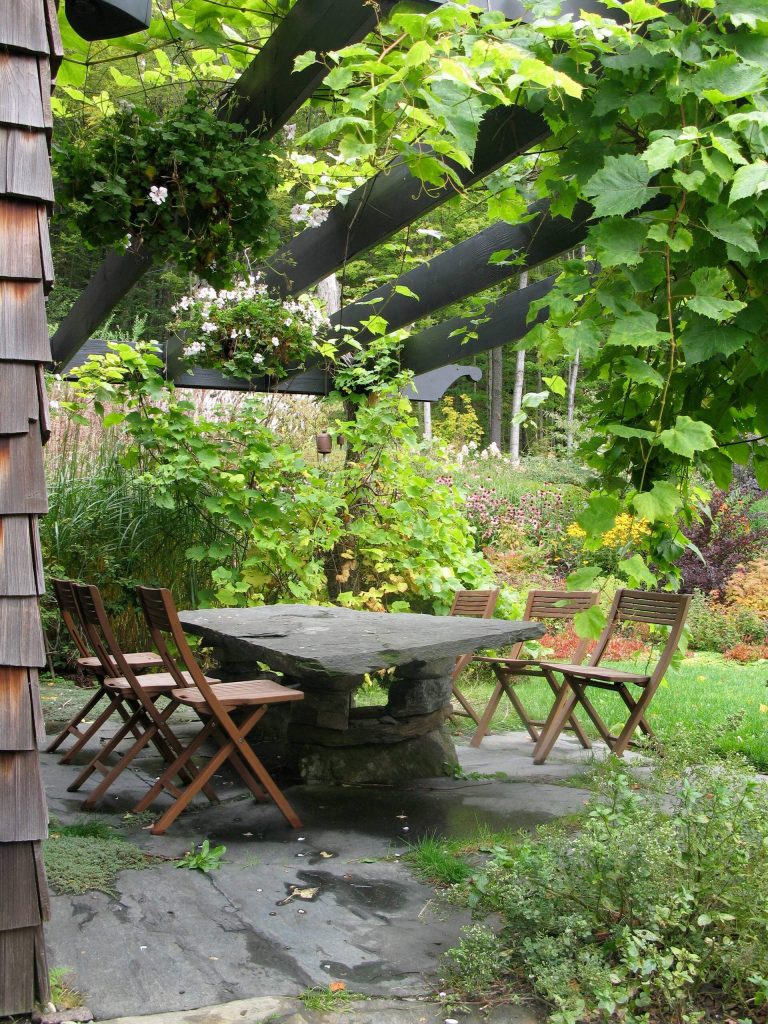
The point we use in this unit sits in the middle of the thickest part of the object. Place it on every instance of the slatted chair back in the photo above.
(163, 621)
(476, 604)
(63, 591)
(545, 605)
(97, 627)
(654, 608)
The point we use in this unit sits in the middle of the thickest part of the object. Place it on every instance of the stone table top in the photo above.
(319, 641)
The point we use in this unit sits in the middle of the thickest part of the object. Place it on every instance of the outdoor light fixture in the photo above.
(107, 19)
(324, 443)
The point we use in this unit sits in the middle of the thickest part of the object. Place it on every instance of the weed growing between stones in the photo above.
(654, 908)
(334, 997)
(63, 995)
(89, 855)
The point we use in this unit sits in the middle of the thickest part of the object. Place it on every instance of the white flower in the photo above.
(276, 343)
(317, 217)
(158, 194)
(302, 158)
(290, 132)
(208, 327)
(127, 241)
(430, 232)
(54, 404)
(258, 358)
(194, 348)
(299, 213)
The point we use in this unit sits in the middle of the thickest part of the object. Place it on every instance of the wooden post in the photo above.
(30, 50)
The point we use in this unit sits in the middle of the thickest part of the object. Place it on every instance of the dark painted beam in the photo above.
(269, 92)
(464, 270)
(392, 200)
(505, 323)
(119, 272)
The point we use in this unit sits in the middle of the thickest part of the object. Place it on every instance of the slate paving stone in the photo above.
(173, 940)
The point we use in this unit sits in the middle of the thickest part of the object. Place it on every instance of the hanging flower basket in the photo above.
(246, 332)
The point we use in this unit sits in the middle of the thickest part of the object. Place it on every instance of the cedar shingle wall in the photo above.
(29, 48)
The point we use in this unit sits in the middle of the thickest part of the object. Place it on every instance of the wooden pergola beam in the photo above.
(392, 200)
(502, 322)
(464, 270)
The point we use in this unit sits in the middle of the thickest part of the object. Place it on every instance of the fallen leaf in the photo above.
(298, 893)
(325, 854)
(337, 986)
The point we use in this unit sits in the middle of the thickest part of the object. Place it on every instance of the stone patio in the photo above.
(174, 940)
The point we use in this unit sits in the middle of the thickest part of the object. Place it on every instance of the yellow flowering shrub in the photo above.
(747, 588)
(627, 530)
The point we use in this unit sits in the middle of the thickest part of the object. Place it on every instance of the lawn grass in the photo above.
(698, 700)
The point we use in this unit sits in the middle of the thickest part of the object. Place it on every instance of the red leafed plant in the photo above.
(746, 653)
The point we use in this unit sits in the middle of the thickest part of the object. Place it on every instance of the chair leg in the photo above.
(573, 721)
(121, 764)
(465, 704)
(484, 725)
(174, 768)
(634, 720)
(631, 703)
(560, 712)
(116, 704)
(131, 723)
(70, 729)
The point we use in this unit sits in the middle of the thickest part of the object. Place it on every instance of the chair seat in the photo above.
(158, 682)
(137, 659)
(232, 695)
(608, 675)
(511, 663)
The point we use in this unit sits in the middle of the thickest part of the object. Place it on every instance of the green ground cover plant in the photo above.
(89, 855)
(652, 909)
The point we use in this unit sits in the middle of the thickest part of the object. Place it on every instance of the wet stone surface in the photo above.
(176, 939)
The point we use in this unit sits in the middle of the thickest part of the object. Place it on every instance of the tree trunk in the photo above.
(495, 377)
(517, 394)
(573, 376)
(426, 408)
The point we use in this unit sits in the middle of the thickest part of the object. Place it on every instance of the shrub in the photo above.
(713, 627)
(747, 589)
(726, 539)
(653, 910)
(747, 653)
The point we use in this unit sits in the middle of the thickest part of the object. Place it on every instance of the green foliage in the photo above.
(205, 858)
(457, 423)
(652, 909)
(712, 627)
(437, 863)
(375, 533)
(88, 855)
(326, 1000)
(63, 995)
(185, 185)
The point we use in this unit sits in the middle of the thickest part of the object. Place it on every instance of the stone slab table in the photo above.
(327, 652)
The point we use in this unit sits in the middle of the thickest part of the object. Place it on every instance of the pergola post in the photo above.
(30, 49)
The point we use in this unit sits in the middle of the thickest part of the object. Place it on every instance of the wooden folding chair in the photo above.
(654, 608)
(135, 696)
(542, 606)
(475, 604)
(214, 705)
(89, 664)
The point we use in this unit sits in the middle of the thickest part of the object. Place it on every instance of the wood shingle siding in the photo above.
(24, 907)
(24, 82)
(25, 816)
(23, 331)
(22, 480)
(21, 27)
(18, 576)
(19, 403)
(21, 636)
(25, 169)
(25, 248)
(28, 34)
(21, 719)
